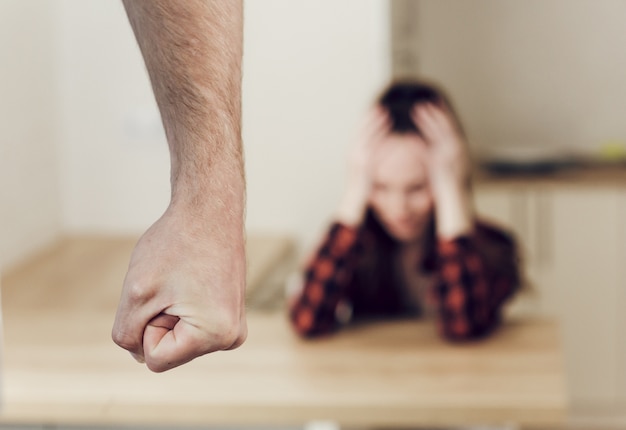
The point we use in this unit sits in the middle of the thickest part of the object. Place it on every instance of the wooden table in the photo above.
(60, 366)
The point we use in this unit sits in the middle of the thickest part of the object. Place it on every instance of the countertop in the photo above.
(60, 366)
(584, 175)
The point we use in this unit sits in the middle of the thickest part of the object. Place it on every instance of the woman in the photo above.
(405, 240)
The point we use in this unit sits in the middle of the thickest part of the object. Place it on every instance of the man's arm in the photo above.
(184, 292)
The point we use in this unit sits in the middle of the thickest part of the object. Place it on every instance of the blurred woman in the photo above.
(405, 240)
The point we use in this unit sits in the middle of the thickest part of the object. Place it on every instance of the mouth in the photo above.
(404, 227)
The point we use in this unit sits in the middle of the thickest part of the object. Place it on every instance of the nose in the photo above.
(399, 206)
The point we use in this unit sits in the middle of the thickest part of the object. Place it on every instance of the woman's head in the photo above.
(401, 197)
(399, 99)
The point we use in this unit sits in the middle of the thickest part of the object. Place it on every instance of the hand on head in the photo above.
(375, 128)
(448, 168)
(446, 155)
(361, 160)
(447, 148)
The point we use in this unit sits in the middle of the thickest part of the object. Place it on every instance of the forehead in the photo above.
(401, 159)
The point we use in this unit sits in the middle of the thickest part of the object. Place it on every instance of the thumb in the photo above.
(165, 343)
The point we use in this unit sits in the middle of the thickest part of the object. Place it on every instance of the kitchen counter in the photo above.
(60, 366)
(585, 175)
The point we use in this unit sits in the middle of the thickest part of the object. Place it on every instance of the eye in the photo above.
(416, 188)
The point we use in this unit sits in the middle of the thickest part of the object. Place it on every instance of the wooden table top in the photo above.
(60, 366)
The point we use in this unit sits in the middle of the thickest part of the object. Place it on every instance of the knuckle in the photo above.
(243, 335)
(230, 331)
(123, 340)
(158, 366)
(136, 292)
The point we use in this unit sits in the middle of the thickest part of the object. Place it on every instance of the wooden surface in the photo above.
(60, 366)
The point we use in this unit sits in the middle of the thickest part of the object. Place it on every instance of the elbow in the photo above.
(461, 332)
(306, 326)
(309, 333)
(454, 337)
(304, 331)
(449, 335)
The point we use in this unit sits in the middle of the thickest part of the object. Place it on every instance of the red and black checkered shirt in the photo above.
(472, 277)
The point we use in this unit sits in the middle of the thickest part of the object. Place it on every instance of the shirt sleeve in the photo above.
(314, 310)
(476, 274)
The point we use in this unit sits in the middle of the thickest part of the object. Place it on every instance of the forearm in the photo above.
(476, 274)
(454, 210)
(352, 208)
(192, 50)
(325, 281)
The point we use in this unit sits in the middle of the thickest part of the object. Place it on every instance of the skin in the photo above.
(400, 195)
(183, 295)
(403, 177)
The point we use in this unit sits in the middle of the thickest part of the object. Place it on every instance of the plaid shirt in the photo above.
(472, 276)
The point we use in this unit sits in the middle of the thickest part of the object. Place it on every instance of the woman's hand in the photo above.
(449, 169)
(449, 158)
(376, 126)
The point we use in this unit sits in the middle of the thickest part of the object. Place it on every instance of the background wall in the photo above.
(30, 209)
(530, 72)
(114, 158)
(310, 68)
(83, 142)
(82, 147)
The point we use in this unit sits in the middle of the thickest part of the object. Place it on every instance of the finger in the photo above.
(377, 126)
(128, 328)
(157, 329)
(377, 118)
(168, 343)
(424, 119)
(162, 323)
(440, 130)
(382, 127)
(243, 333)
(138, 358)
(243, 325)
(443, 117)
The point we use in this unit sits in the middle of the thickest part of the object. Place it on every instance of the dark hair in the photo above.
(400, 98)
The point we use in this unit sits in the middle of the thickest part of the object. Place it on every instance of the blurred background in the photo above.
(83, 149)
(540, 86)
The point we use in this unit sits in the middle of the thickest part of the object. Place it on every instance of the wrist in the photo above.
(454, 211)
(449, 177)
(351, 210)
(354, 203)
(207, 167)
(208, 199)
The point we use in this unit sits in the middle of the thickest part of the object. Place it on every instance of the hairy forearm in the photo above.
(192, 50)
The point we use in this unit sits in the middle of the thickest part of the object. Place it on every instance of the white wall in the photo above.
(114, 159)
(310, 69)
(29, 201)
(532, 71)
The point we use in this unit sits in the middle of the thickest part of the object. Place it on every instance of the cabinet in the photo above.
(572, 237)
(528, 212)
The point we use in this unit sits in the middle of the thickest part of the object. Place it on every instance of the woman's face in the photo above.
(401, 198)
